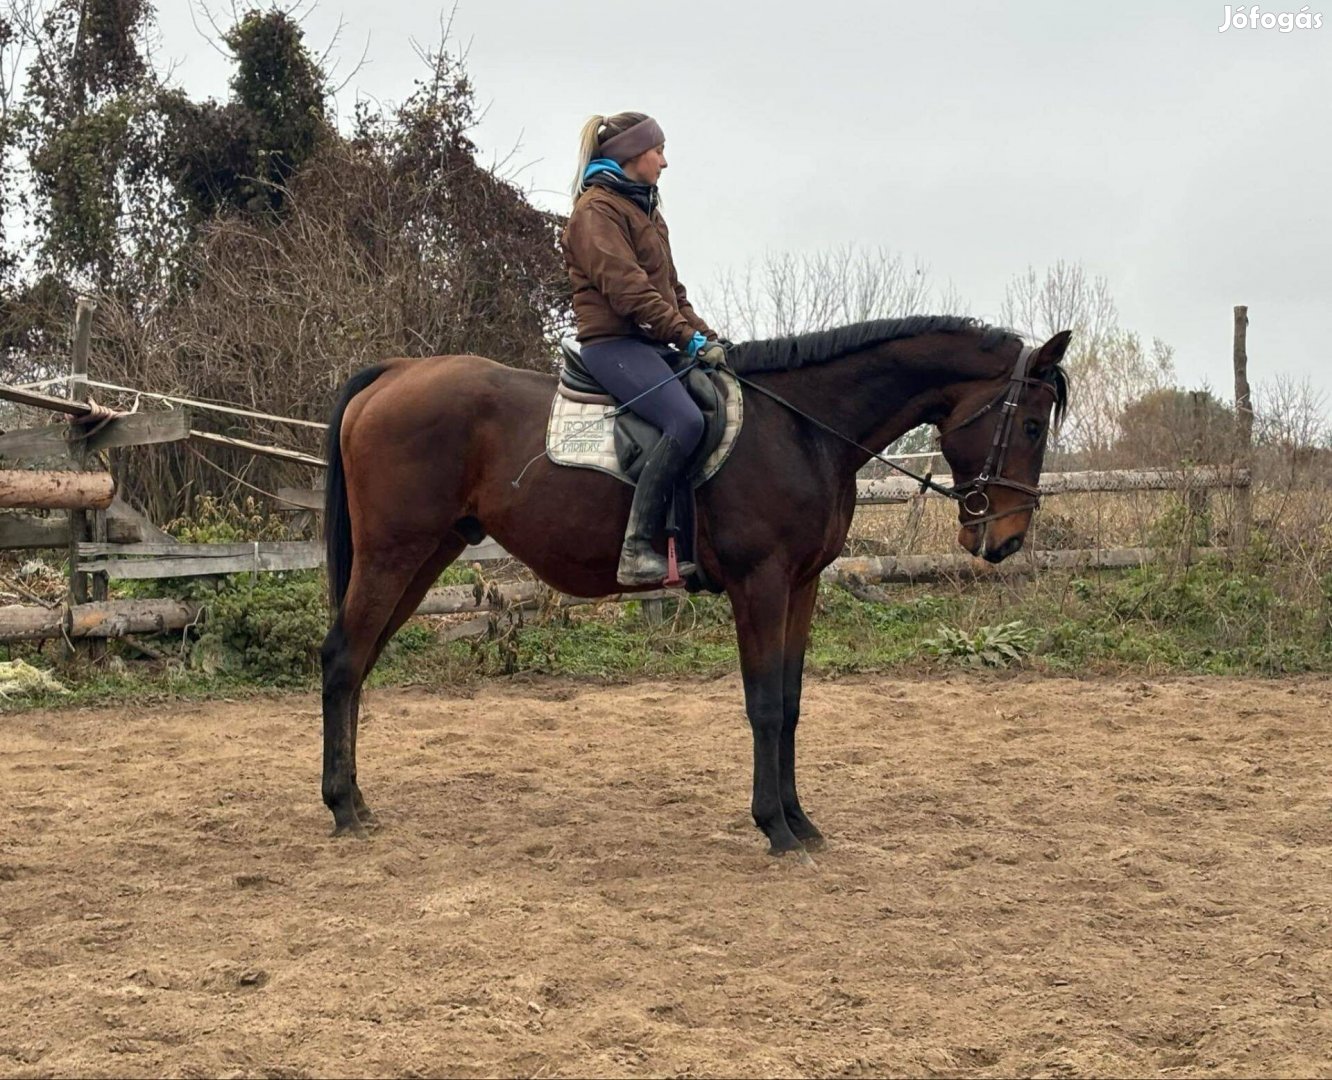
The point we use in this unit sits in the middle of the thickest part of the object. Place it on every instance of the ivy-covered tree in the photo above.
(246, 250)
(240, 154)
(85, 125)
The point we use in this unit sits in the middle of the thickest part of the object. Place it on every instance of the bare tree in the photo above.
(786, 293)
(1110, 366)
(1292, 420)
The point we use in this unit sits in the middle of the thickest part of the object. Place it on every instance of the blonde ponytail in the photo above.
(588, 141)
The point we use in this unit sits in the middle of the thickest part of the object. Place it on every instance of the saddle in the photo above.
(587, 430)
(633, 436)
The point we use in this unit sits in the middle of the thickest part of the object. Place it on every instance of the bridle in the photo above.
(991, 474)
(974, 495)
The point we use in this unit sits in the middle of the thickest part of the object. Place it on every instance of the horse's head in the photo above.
(994, 440)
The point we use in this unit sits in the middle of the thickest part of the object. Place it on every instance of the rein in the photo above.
(926, 484)
(991, 473)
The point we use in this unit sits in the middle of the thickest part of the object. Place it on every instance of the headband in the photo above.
(631, 142)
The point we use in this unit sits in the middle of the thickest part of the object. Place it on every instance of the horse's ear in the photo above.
(1050, 353)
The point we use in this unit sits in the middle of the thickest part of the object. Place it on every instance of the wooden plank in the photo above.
(287, 555)
(175, 549)
(261, 449)
(142, 429)
(301, 549)
(26, 531)
(35, 400)
(132, 429)
(305, 498)
(126, 525)
(35, 443)
(899, 489)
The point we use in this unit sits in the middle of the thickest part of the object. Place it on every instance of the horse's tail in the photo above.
(337, 517)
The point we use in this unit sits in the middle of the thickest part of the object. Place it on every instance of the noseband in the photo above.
(974, 494)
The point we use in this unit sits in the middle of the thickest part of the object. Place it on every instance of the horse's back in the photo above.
(418, 394)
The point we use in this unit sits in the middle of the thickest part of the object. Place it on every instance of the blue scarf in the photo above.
(602, 164)
(604, 172)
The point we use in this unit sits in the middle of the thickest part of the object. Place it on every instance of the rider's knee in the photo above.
(689, 430)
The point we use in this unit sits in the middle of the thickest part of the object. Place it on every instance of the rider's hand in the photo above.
(712, 355)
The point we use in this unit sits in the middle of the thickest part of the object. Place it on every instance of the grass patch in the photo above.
(1209, 618)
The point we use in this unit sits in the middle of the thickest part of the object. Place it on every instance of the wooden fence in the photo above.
(106, 539)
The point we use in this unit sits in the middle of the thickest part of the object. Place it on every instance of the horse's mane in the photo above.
(821, 346)
(800, 350)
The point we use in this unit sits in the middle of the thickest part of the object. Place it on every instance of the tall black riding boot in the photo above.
(639, 564)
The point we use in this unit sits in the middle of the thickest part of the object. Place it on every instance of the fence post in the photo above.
(79, 520)
(1243, 524)
(1196, 497)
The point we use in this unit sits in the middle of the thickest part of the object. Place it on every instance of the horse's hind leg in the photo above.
(449, 550)
(386, 586)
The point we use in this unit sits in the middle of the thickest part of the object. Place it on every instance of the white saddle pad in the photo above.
(583, 435)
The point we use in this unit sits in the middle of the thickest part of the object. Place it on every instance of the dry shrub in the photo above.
(390, 242)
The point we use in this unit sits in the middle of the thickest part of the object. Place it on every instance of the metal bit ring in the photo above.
(984, 507)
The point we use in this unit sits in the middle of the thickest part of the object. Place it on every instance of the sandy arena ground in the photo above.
(1028, 877)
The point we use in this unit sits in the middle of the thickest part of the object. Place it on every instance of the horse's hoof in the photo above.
(814, 842)
(798, 854)
(778, 848)
(351, 828)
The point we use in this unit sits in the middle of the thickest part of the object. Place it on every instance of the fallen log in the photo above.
(900, 489)
(461, 599)
(906, 569)
(56, 490)
(102, 619)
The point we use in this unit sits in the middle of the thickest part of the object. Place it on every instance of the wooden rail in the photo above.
(115, 618)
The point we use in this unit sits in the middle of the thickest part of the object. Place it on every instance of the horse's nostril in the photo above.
(1004, 550)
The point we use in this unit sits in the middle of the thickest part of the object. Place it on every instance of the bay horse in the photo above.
(423, 455)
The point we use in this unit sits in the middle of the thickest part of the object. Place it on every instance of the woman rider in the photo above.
(628, 303)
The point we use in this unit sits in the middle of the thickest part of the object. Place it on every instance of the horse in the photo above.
(423, 454)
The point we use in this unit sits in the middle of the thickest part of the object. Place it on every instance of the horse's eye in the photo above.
(1033, 429)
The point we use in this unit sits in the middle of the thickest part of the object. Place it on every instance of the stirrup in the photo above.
(673, 580)
(646, 567)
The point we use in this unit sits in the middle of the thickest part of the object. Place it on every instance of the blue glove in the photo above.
(695, 343)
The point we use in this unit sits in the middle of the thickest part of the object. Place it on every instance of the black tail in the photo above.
(337, 518)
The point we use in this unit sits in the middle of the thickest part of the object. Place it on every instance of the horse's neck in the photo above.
(876, 396)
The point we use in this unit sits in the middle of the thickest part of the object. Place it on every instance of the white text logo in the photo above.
(1254, 18)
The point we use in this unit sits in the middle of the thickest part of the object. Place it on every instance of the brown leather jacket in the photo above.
(624, 282)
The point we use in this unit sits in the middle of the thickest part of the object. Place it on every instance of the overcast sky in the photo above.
(1190, 167)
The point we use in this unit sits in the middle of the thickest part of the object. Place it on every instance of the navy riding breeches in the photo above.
(627, 367)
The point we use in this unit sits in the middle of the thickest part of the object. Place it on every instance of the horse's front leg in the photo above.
(799, 615)
(760, 606)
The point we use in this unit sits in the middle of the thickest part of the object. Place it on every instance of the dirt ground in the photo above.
(1028, 877)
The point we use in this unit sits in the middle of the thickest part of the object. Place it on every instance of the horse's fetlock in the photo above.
(335, 795)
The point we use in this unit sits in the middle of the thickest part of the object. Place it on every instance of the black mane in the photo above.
(786, 353)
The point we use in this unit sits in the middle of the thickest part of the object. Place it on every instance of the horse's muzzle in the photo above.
(1009, 547)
